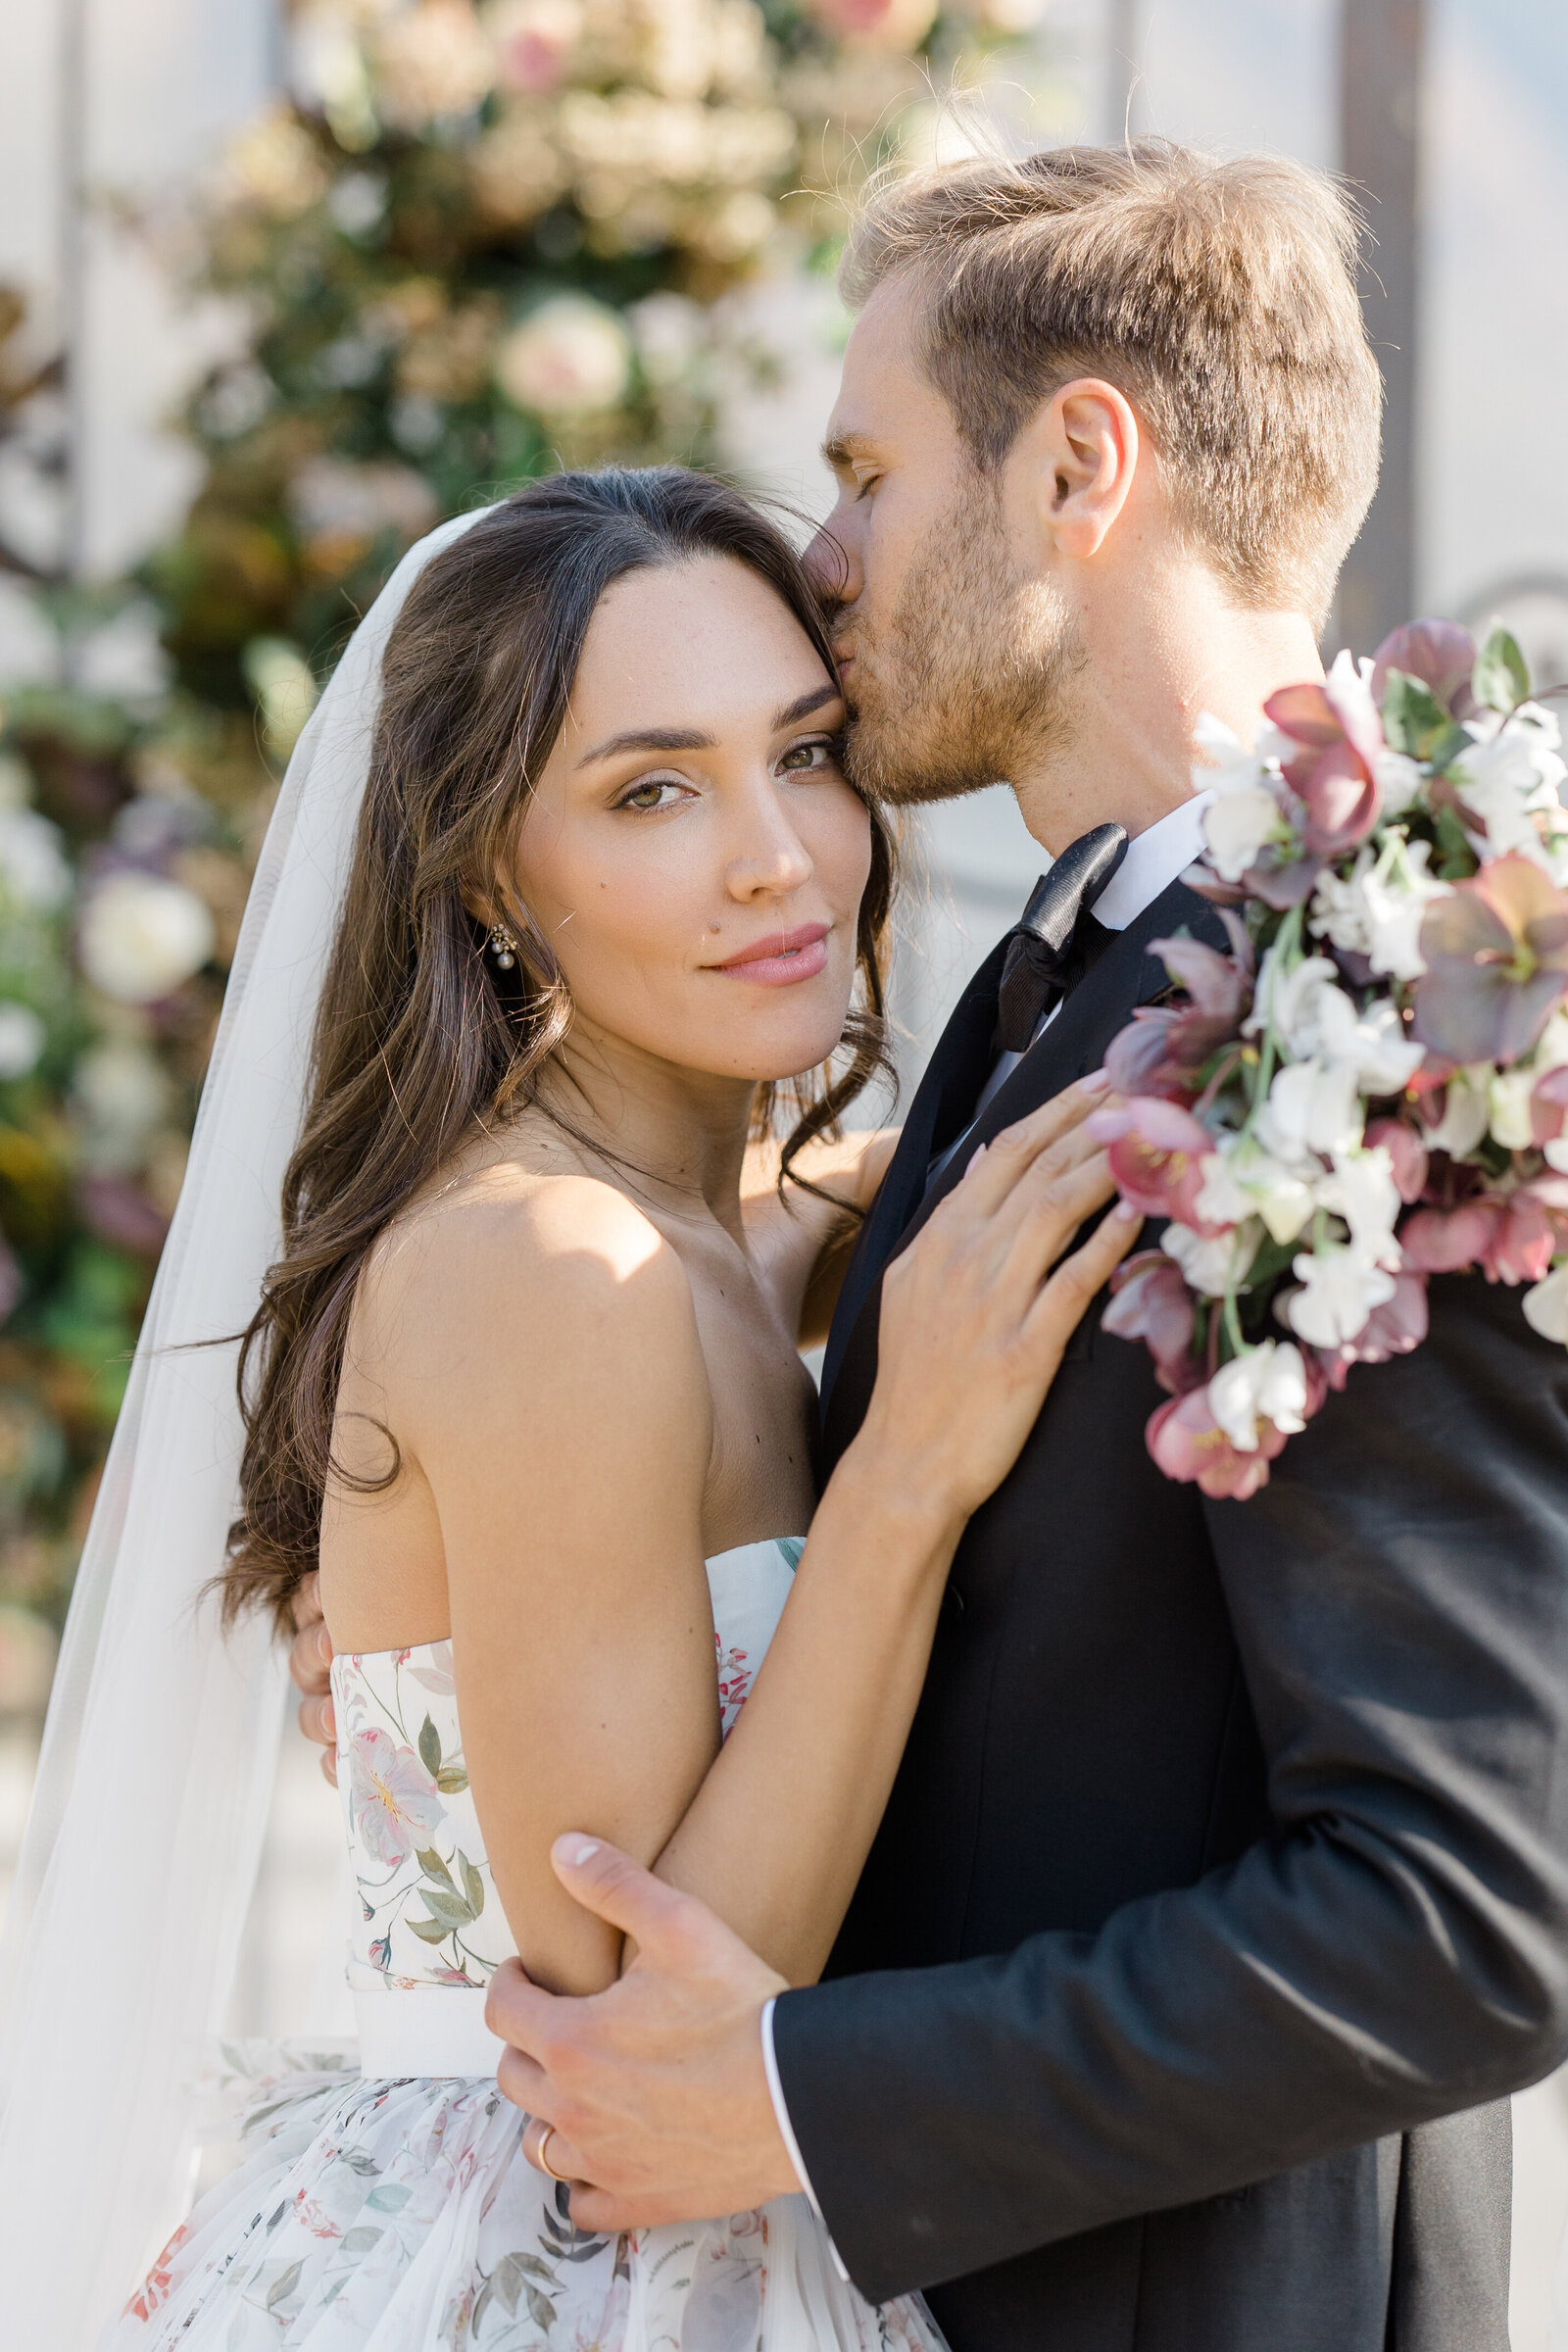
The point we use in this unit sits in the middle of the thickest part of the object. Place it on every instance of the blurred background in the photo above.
(282, 285)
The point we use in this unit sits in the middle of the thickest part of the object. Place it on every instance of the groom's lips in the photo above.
(781, 958)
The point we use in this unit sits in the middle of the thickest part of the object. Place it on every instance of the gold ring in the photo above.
(545, 2165)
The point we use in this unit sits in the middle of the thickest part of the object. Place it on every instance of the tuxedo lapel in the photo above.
(943, 1100)
(1076, 1042)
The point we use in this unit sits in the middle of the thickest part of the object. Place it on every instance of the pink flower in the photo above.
(1406, 1151)
(394, 1798)
(1497, 956)
(1166, 1046)
(1442, 1241)
(1334, 774)
(1156, 1155)
(1392, 1329)
(1150, 1301)
(1438, 652)
(1188, 1443)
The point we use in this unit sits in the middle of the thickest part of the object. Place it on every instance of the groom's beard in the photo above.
(969, 683)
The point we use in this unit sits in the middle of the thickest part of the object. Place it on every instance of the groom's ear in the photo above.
(1070, 474)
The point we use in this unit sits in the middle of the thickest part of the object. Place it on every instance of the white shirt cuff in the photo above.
(781, 2116)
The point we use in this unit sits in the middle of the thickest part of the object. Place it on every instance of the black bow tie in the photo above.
(1046, 951)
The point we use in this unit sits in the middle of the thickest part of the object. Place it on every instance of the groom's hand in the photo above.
(656, 2087)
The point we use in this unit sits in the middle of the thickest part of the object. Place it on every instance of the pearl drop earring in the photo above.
(503, 946)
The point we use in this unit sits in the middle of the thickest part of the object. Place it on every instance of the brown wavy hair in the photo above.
(419, 1039)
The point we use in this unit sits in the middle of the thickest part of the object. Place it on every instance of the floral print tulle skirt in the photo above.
(372, 2216)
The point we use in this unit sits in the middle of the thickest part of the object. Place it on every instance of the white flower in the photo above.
(121, 1094)
(1466, 1112)
(1362, 1191)
(1243, 813)
(1339, 1289)
(33, 869)
(1399, 780)
(1396, 893)
(1312, 1107)
(1510, 776)
(1508, 1094)
(1547, 1307)
(572, 358)
(1286, 999)
(1217, 1266)
(1266, 1384)
(1377, 908)
(141, 936)
(22, 1040)
(1242, 1180)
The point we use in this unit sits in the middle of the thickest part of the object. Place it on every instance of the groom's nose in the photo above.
(834, 558)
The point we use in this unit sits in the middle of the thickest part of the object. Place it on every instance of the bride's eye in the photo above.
(806, 758)
(650, 793)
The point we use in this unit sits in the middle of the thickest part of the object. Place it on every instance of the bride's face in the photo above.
(691, 851)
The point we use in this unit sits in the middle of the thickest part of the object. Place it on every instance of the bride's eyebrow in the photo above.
(649, 739)
(691, 739)
(804, 704)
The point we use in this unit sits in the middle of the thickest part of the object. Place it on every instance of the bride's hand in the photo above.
(974, 1320)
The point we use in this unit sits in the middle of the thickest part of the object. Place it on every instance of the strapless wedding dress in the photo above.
(383, 2203)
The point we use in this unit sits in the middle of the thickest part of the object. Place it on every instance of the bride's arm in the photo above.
(560, 1414)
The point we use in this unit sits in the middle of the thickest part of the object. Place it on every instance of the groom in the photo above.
(1223, 1895)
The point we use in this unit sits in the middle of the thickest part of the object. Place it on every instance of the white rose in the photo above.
(121, 1094)
(1241, 1180)
(572, 358)
(1267, 1383)
(34, 866)
(1547, 1307)
(141, 936)
(1339, 1289)
(1217, 1266)
(22, 1040)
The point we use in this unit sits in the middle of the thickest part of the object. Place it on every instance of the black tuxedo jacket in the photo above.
(1223, 1893)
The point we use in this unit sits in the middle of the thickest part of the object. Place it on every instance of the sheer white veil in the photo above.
(141, 1850)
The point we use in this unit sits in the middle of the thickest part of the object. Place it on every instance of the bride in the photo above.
(523, 1387)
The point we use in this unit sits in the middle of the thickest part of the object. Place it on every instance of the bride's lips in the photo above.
(781, 958)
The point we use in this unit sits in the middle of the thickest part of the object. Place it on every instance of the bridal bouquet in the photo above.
(1372, 1085)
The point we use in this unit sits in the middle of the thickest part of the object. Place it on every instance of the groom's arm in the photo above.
(1397, 1949)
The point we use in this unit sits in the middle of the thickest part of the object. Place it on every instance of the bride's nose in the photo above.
(771, 862)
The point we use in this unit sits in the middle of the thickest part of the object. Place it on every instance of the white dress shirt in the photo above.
(1154, 858)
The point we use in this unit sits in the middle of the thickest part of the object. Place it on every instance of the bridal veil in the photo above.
(142, 1846)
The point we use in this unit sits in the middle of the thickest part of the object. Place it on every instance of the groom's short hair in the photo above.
(1219, 296)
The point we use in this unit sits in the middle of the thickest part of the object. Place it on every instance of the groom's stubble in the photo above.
(969, 682)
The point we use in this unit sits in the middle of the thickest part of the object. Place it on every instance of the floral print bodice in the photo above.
(425, 1910)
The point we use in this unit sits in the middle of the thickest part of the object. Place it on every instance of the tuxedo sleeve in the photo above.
(1394, 1949)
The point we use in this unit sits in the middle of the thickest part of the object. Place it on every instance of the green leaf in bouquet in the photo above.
(434, 1867)
(1416, 723)
(429, 1931)
(451, 1779)
(1456, 859)
(429, 1747)
(474, 1885)
(1500, 680)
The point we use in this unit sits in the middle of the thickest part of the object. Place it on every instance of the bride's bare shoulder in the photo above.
(521, 1267)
